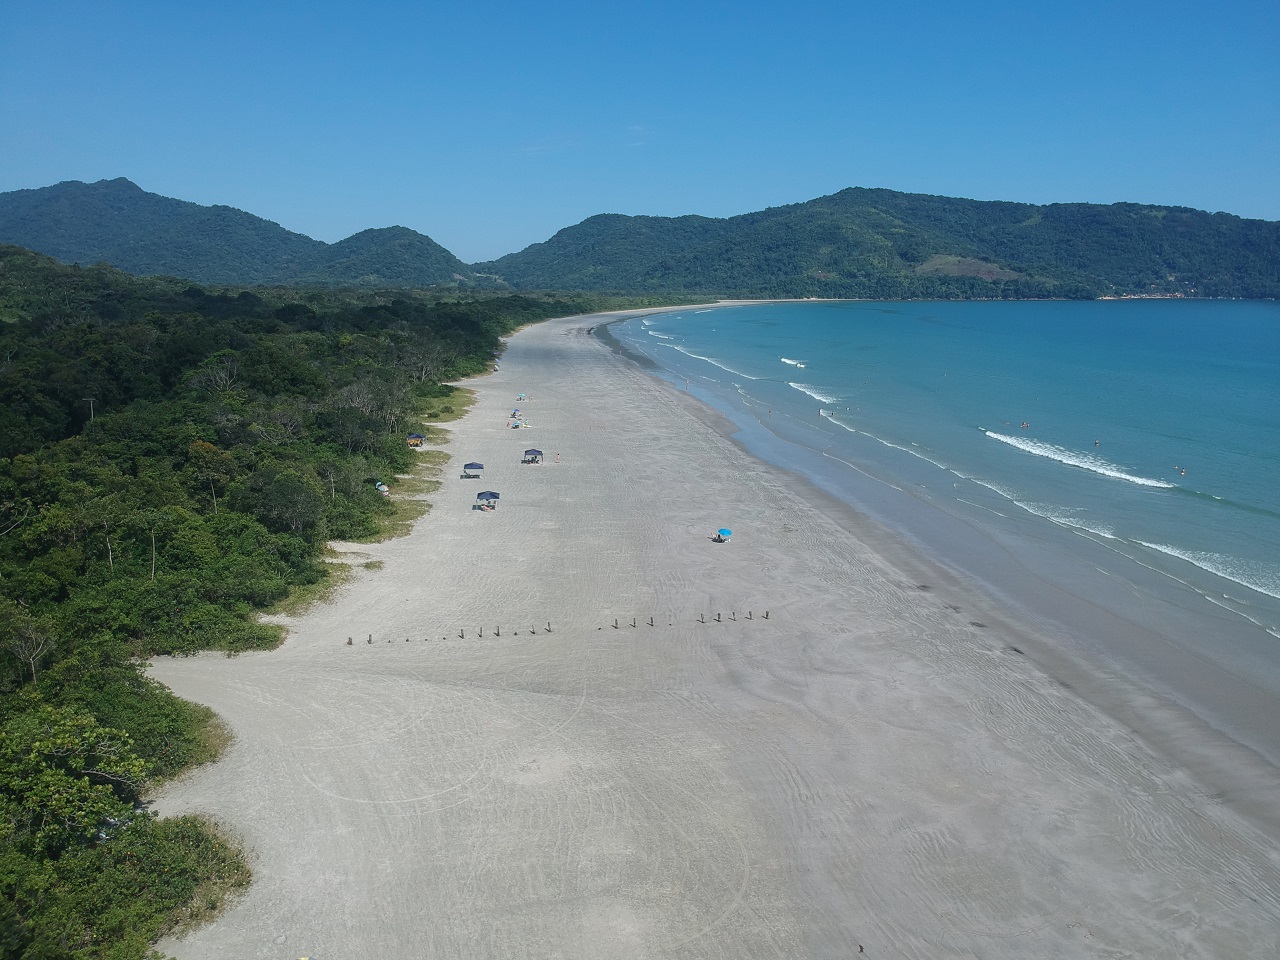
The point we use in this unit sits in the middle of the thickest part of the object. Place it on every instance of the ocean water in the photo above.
(1119, 455)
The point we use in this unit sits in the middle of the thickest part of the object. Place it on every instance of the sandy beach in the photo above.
(583, 729)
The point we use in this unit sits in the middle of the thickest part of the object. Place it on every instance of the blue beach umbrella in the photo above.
(487, 495)
(473, 466)
(725, 532)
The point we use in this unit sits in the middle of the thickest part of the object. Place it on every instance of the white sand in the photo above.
(871, 765)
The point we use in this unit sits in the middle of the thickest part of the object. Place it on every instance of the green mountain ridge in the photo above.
(860, 242)
(884, 244)
(387, 256)
(118, 223)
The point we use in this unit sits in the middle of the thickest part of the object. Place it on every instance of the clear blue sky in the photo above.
(491, 125)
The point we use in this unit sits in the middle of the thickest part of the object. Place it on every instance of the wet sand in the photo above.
(876, 763)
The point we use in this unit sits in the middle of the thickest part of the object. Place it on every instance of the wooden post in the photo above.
(548, 626)
(651, 621)
(717, 618)
(766, 614)
(633, 621)
(498, 631)
(702, 618)
(615, 623)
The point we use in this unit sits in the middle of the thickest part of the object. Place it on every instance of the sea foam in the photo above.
(814, 392)
(1075, 458)
(714, 363)
(1256, 575)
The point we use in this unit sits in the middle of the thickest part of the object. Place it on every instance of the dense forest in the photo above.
(877, 244)
(173, 459)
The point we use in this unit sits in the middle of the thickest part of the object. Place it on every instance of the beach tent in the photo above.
(532, 456)
(469, 471)
(416, 439)
(473, 466)
(487, 495)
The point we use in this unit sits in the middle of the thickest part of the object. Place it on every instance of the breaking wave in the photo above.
(814, 392)
(1254, 574)
(714, 363)
(1074, 458)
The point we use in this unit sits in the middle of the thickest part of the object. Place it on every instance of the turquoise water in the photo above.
(1133, 441)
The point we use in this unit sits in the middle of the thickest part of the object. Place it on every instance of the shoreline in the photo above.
(879, 762)
(1221, 723)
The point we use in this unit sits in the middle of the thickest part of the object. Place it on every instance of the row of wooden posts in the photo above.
(702, 618)
(462, 634)
(497, 631)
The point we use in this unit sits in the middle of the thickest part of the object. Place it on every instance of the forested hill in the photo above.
(856, 243)
(118, 223)
(890, 245)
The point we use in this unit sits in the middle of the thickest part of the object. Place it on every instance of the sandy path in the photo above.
(871, 765)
